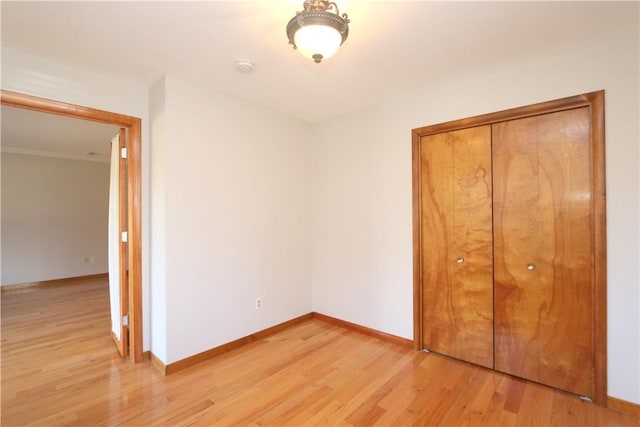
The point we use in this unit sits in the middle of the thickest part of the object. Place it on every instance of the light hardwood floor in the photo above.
(60, 367)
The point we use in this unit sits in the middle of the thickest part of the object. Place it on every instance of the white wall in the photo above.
(54, 214)
(237, 217)
(158, 245)
(25, 73)
(362, 206)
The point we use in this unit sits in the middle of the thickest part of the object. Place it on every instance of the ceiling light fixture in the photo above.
(319, 30)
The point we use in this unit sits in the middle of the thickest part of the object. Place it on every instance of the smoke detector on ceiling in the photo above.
(244, 65)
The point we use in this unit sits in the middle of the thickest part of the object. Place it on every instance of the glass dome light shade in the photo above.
(319, 30)
(314, 40)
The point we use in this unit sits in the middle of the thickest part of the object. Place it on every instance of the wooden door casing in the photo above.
(542, 221)
(457, 244)
(123, 249)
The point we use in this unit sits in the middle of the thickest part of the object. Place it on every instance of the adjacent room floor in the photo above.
(60, 367)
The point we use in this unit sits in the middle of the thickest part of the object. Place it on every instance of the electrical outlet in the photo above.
(258, 303)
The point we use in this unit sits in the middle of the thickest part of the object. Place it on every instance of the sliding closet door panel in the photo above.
(457, 244)
(543, 250)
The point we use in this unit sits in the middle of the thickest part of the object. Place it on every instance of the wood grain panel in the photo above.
(566, 331)
(516, 231)
(473, 244)
(542, 216)
(438, 322)
(456, 244)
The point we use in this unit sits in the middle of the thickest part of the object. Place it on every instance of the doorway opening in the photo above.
(134, 195)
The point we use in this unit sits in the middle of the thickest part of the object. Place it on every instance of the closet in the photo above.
(509, 242)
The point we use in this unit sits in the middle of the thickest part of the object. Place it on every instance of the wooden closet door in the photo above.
(456, 243)
(544, 280)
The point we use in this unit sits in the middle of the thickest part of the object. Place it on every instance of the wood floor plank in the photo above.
(60, 367)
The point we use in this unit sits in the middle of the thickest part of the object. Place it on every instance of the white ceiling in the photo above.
(393, 46)
(36, 133)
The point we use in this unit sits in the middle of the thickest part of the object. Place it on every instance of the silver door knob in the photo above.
(460, 260)
(530, 266)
